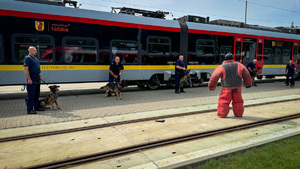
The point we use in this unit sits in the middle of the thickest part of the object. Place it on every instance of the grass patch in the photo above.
(282, 154)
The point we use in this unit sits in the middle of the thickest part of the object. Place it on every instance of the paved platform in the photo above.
(41, 150)
(95, 105)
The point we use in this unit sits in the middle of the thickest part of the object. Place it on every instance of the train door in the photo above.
(259, 53)
(295, 53)
(238, 48)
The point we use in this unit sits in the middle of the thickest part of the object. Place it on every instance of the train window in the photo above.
(126, 50)
(295, 54)
(205, 48)
(43, 43)
(259, 52)
(80, 50)
(268, 55)
(225, 49)
(157, 45)
(238, 47)
(1, 49)
(286, 53)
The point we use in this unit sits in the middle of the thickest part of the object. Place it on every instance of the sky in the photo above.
(271, 13)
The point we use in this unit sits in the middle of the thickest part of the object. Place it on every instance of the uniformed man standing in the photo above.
(290, 72)
(32, 72)
(233, 75)
(115, 70)
(179, 73)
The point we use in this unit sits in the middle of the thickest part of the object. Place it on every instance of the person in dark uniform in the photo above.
(179, 73)
(32, 72)
(290, 72)
(115, 70)
(251, 66)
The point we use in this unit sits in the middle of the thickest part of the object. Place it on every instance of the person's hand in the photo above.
(29, 81)
(120, 74)
(116, 76)
(183, 68)
(42, 79)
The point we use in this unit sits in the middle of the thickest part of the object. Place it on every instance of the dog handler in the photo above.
(32, 72)
(115, 70)
(251, 67)
(179, 68)
(231, 74)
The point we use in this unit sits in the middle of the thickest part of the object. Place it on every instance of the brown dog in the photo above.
(186, 78)
(116, 87)
(255, 73)
(51, 98)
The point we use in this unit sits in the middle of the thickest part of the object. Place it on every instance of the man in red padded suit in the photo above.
(231, 74)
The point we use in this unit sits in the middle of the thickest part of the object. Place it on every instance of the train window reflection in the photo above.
(43, 43)
(1, 49)
(80, 50)
(205, 48)
(295, 53)
(158, 45)
(259, 52)
(126, 50)
(268, 56)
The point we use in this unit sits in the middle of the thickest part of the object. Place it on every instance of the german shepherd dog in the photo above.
(255, 73)
(116, 87)
(186, 78)
(51, 98)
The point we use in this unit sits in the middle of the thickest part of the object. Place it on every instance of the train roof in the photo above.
(123, 18)
(241, 31)
(84, 13)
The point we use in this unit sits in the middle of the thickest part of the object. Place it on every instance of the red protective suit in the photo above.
(231, 74)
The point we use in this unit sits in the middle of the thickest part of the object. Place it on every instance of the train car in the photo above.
(78, 45)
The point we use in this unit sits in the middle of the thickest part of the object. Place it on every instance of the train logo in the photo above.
(39, 25)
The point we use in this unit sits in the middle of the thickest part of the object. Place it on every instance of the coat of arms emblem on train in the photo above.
(39, 25)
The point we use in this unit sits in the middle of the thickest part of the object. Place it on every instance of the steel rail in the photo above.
(156, 144)
(57, 132)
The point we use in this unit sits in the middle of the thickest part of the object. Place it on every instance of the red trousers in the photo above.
(226, 96)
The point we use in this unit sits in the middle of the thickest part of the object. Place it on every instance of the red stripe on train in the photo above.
(84, 20)
(238, 35)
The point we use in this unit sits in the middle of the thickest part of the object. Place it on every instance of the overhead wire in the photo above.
(197, 13)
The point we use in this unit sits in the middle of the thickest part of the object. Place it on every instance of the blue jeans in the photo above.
(177, 80)
(33, 94)
(288, 80)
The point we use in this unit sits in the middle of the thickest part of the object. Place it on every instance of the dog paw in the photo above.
(58, 108)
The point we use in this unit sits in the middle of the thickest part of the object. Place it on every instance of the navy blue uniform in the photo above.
(33, 90)
(116, 70)
(252, 66)
(290, 74)
(178, 74)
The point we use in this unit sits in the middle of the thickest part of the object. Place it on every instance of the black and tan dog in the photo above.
(255, 73)
(115, 87)
(51, 98)
(186, 78)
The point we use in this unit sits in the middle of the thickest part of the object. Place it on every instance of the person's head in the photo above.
(32, 51)
(228, 56)
(254, 61)
(181, 57)
(117, 59)
(290, 62)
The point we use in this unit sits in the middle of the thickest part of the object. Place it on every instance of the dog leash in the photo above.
(24, 86)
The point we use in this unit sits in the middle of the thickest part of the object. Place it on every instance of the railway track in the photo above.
(156, 144)
(29, 136)
(76, 136)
